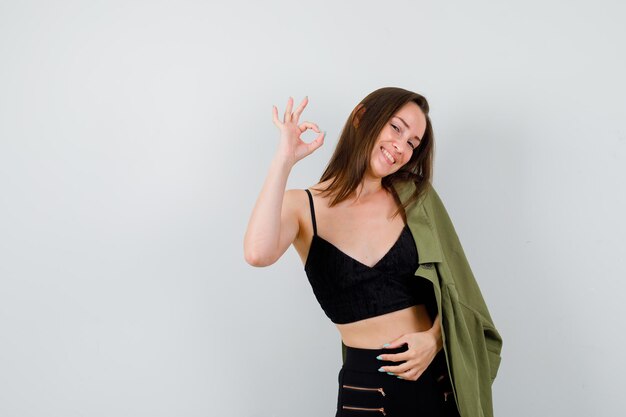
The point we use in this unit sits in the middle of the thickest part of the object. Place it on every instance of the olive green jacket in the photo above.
(471, 343)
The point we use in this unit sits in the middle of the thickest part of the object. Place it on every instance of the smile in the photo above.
(387, 155)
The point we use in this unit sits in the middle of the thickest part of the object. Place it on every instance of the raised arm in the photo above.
(273, 224)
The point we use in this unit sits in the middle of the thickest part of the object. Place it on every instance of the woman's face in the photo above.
(397, 140)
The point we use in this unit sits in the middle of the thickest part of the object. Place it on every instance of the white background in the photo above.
(135, 137)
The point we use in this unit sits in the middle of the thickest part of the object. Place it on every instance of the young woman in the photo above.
(351, 232)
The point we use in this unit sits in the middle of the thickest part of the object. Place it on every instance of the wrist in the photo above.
(435, 331)
(282, 163)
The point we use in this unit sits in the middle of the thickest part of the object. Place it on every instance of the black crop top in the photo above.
(349, 290)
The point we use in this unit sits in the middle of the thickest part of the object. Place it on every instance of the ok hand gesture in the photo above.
(291, 146)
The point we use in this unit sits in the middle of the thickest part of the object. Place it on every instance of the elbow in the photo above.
(255, 259)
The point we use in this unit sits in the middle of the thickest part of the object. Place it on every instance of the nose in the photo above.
(398, 146)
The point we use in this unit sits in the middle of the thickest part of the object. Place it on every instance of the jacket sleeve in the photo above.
(464, 287)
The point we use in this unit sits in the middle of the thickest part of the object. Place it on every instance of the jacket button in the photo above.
(427, 265)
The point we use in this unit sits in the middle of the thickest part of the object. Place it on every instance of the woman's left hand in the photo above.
(422, 349)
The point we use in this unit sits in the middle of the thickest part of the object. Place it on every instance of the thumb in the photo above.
(319, 140)
(395, 343)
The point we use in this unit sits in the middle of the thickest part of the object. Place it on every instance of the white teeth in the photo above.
(388, 155)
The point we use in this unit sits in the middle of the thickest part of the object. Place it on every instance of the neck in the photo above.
(368, 188)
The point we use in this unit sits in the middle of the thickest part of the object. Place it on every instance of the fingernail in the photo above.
(399, 377)
(381, 369)
(379, 358)
(386, 344)
(390, 373)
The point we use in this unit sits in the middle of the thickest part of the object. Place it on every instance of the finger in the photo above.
(319, 141)
(288, 110)
(408, 374)
(395, 344)
(300, 109)
(398, 369)
(395, 357)
(275, 116)
(304, 125)
(414, 374)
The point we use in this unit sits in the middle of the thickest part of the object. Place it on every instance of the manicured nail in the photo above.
(381, 369)
(386, 344)
(390, 373)
(379, 358)
(399, 377)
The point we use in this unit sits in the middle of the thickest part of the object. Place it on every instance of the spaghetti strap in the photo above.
(312, 211)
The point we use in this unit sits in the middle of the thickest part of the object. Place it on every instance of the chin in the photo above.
(385, 173)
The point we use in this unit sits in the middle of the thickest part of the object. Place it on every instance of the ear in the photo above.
(357, 113)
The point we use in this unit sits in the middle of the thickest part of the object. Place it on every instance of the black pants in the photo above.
(364, 391)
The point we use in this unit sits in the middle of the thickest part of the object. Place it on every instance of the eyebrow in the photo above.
(407, 126)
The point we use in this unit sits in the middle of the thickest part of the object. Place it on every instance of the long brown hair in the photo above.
(354, 149)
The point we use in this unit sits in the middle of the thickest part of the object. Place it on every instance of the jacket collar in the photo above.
(421, 225)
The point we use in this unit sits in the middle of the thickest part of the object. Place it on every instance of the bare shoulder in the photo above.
(295, 197)
(319, 187)
(296, 200)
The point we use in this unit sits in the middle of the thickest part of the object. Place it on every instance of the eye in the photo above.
(398, 130)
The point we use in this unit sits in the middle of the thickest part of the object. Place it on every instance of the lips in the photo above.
(387, 155)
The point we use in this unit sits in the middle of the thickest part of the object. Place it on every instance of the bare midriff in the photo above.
(374, 332)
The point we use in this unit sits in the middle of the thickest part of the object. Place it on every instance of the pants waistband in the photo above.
(361, 359)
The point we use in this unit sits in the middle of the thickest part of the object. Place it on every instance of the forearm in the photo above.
(263, 232)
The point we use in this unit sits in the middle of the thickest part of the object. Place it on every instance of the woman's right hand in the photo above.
(291, 146)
